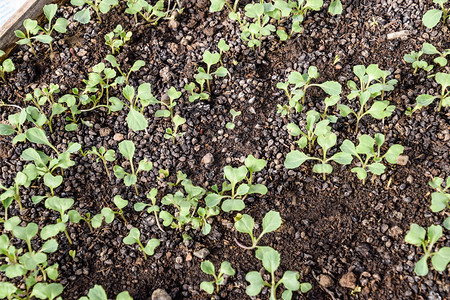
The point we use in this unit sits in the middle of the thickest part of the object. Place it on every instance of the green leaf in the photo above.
(393, 153)
(211, 58)
(253, 164)
(130, 179)
(61, 25)
(342, 158)
(47, 290)
(223, 46)
(434, 233)
(82, 16)
(128, 93)
(59, 204)
(52, 230)
(446, 223)
(335, 7)
(290, 280)
(314, 4)
(415, 235)
(439, 201)
(428, 48)
(443, 79)
(344, 110)
(136, 121)
(421, 267)
(430, 19)
(233, 205)
(50, 246)
(441, 259)
(124, 296)
(216, 5)
(7, 290)
(305, 287)
(97, 293)
(25, 233)
(208, 267)
(256, 283)
(225, 268)
(323, 168)
(133, 237)
(270, 259)
(271, 222)
(52, 181)
(235, 175)
(43, 38)
(37, 136)
(162, 113)
(151, 246)
(332, 88)
(120, 202)
(245, 224)
(295, 159)
(127, 149)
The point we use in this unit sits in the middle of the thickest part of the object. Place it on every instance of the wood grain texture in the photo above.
(32, 9)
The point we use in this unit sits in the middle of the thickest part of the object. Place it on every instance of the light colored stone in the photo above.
(325, 281)
(118, 137)
(161, 294)
(348, 280)
(208, 159)
(202, 253)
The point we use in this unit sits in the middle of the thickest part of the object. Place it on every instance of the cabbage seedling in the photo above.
(190, 87)
(117, 38)
(151, 13)
(223, 47)
(443, 79)
(25, 38)
(99, 6)
(246, 224)
(134, 238)
(109, 214)
(441, 198)
(414, 59)
(98, 293)
(418, 236)
(295, 158)
(140, 206)
(104, 155)
(271, 261)
(432, 17)
(301, 83)
(313, 129)
(366, 91)
(135, 118)
(253, 32)
(60, 205)
(7, 66)
(60, 23)
(210, 59)
(137, 65)
(366, 148)
(208, 268)
(234, 114)
(127, 149)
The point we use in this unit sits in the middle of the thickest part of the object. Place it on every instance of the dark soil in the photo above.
(331, 229)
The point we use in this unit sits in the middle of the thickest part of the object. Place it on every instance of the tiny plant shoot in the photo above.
(134, 237)
(246, 224)
(208, 268)
(234, 114)
(432, 17)
(7, 66)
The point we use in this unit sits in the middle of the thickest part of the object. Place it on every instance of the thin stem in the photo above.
(157, 221)
(68, 237)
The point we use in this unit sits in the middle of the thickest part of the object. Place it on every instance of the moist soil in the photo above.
(338, 234)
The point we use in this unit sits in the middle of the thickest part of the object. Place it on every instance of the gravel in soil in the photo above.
(339, 234)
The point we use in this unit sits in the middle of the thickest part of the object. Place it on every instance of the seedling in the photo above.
(246, 224)
(127, 149)
(271, 261)
(236, 187)
(151, 13)
(134, 238)
(210, 59)
(313, 128)
(366, 148)
(217, 5)
(140, 206)
(31, 29)
(366, 91)
(295, 158)
(117, 38)
(75, 217)
(109, 214)
(99, 6)
(190, 87)
(439, 259)
(223, 47)
(104, 155)
(441, 198)
(431, 50)
(98, 293)
(443, 79)
(137, 65)
(7, 66)
(60, 205)
(208, 268)
(234, 114)
(253, 32)
(301, 83)
(432, 17)
(60, 24)
(414, 59)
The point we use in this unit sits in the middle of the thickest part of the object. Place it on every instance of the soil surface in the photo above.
(338, 234)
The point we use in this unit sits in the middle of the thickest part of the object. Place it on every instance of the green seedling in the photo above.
(16, 120)
(440, 199)
(219, 279)
(60, 24)
(127, 149)
(98, 293)
(271, 261)
(441, 60)
(7, 66)
(99, 6)
(246, 224)
(234, 114)
(367, 91)
(137, 65)
(443, 79)
(313, 130)
(223, 47)
(153, 208)
(73, 253)
(117, 38)
(366, 148)
(295, 158)
(210, 59)
(301, 82)
(217, 5)
(432, 17)
(38, 136)
(99, 83)
(417, 63)
(235, 190)
(253, 32)
(134, 238)
(75, 217)
(109, 214)
(31, 30)
(60, 205)
(104, 155)
(23, 178)
(150, 13)
(439, 259)
(190, 87)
